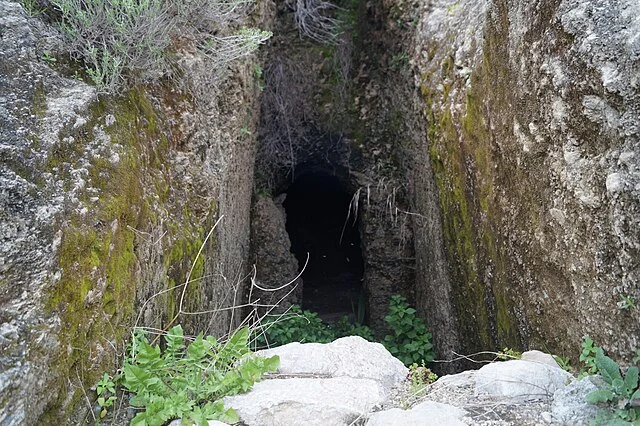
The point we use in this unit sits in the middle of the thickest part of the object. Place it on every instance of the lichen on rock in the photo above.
(106, 202)
(531, 107)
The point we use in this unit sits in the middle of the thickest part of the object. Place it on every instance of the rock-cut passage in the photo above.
(318, 223)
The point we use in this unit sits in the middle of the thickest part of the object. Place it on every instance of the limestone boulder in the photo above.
(437, 413)
(569, 406)
(321, 384)
(350, 356)
(274, 262)
(539, 357)
(307, 401)
(520, 379)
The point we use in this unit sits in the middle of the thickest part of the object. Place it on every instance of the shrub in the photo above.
(189, 381)
(588, 355)
(294, 326)
(113, 36)
(620, 392)
(130, 40)
(314, 20)
(344, 327)
(409, 340)
(32, 7)
(224, 50)
(283, 132)
(305, 327)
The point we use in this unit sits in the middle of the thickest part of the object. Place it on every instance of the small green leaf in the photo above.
(618, 385)
(600, 395)
(140, 420)
(228, 415)
(631, 379)
(137, 379)
(609, 369)
(175, 341)
(271, 364)
(197, 349)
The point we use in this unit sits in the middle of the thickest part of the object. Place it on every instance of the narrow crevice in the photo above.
(317, 207)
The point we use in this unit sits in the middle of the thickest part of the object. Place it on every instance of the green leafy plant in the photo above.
(344, 327)
(420, 377)
(257, 71)
(245, 129)
(359, 309)
(258, 74)
(188, 381)
(409, 340)
(106, 391)
(588, 355)
(294, 326)
(563, 361)
(620, 392)
(399, 60)
(636, 359)
(305, 326)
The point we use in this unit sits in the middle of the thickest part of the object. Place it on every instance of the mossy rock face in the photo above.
(459, 96)
(460, 149)
(106, 202)
(95, 295)
(106, 212)
(125, 238)
(521, 153)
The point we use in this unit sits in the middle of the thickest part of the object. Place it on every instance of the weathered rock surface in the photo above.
(346, 357)
(275, 264)
(519, 379)
(321, 384)
(31, 200)
(330, 385)
(569, 406)
(505, 134)
(433, 412)
(533, 128)
(309, 401)
(104, 204)
(539, 357)
(496, 394)
(496, 146)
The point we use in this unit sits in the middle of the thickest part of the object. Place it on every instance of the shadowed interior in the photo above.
(317, 206)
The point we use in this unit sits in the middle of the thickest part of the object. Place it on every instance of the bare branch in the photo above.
(314, 20)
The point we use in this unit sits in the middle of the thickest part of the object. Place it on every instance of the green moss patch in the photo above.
(460, 148)
(95, 296)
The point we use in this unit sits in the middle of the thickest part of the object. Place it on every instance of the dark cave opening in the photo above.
(317, 206)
